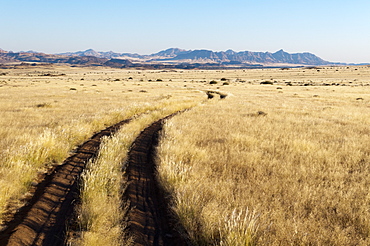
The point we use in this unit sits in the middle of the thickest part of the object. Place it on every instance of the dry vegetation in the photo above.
(270, 168)
(268, 165)
(42, 120)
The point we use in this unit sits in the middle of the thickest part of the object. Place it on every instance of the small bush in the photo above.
(261, 113)
(267, 83)
(224, 79)
(222, 96)
(213, 82)
(159, 80)
(225, 83)
(210, 95)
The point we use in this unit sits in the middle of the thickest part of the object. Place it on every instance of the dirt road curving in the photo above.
(43, 220)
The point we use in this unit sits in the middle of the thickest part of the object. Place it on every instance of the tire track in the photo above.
(43, 220)
(149, 222)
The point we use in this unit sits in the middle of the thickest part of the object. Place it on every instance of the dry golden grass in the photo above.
(295, 176)
(42, 120)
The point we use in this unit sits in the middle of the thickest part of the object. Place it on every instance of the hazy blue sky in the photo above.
(335, 30)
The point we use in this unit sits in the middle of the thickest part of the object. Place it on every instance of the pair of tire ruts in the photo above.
(43, 220)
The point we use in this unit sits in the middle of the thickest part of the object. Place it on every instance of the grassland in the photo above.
(43, 118)
(294, 174)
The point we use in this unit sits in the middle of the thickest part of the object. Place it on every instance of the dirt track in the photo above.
(149, 222)
(43, 220)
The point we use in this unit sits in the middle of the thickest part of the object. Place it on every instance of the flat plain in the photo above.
(282, 160)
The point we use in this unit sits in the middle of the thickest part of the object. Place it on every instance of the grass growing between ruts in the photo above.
(101, 215)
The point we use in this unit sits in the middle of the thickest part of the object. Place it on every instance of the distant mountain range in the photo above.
(172, 57)
(209, 56)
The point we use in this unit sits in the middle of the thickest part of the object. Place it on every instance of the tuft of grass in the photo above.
(239, 228)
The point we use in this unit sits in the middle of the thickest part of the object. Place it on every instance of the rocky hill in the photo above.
(169, 53)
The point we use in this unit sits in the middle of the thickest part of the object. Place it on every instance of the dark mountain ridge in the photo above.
(169, 57)
(280, 57)
(176, 54)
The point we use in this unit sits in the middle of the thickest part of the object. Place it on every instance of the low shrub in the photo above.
(267, 83)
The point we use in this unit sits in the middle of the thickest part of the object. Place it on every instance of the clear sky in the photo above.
(335, 30)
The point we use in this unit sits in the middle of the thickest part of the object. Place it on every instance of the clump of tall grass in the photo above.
(239, 228)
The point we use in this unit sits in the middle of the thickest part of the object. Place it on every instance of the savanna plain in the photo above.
(282, 159)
